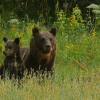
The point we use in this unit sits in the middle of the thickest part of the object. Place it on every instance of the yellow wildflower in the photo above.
(93, 33)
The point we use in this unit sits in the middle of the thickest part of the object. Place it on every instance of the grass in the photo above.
(77, 67)
(84, 87)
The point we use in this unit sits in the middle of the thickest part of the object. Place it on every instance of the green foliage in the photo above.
(70, 33)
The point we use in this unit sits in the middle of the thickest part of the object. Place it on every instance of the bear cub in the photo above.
(13, 66)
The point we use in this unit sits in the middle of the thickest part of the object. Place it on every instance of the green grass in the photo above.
(77, 68)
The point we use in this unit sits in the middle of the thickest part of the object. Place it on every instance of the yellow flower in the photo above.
(94, 33)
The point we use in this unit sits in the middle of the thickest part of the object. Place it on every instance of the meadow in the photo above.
(77, 63)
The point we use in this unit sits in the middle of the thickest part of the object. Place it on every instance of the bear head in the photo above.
(11, 47)
(44, 41)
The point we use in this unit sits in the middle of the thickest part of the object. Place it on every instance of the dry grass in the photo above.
(84, 87)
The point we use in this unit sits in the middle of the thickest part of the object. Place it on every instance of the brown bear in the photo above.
(13, 64)
(42, 51)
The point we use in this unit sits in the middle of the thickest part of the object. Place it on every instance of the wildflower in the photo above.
(73, 22)
(93, 33)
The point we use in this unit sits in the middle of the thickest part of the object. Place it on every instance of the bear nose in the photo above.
(47, 46)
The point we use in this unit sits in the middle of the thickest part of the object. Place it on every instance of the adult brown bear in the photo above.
(42, 51)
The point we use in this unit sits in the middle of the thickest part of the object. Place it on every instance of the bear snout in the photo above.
(47, 48)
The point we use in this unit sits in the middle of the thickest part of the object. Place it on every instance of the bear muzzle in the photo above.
(47, 48)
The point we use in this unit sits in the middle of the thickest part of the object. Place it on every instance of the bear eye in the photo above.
(50, 39)
(42, 39)
(10, 47)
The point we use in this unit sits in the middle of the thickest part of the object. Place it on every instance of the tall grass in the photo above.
(81, 88)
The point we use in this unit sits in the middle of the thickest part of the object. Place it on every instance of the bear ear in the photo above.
(17, 40)
(35, 31)
(5, 39)
(53, 31)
